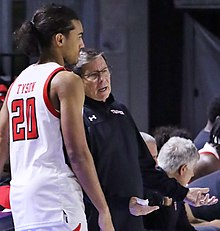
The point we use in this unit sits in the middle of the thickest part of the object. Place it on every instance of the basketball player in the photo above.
(42, 115)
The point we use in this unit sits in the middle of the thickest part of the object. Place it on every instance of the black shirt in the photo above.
(122, 159)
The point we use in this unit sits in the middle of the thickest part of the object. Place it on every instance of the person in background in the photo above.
(163, 133)
(3, 91)
(213, 111)
(42, 115)
(209, 155)
(151, 144)
(124, 164)
(177, 159)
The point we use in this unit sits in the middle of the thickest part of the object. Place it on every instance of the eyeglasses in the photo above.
(95, 75)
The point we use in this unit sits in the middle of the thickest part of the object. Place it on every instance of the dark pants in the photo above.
(6, 222)
(121, 217)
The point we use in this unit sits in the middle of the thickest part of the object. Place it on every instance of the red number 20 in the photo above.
(24, 126)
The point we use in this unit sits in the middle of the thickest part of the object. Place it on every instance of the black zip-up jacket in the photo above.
(122, 159)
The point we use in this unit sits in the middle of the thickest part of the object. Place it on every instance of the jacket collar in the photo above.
(99, 104)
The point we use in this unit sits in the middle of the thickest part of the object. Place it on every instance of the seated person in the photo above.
(163, 133)
(177, 158)
(213, 111)
(209, 155)
(151, 144)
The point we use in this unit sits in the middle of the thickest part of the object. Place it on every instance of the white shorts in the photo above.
(63, 227)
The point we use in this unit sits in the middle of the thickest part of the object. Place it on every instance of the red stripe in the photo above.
(78, 227)
(4, 199)
(207, 153)
(45, 93)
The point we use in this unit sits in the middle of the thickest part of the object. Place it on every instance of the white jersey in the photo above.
(44, 191)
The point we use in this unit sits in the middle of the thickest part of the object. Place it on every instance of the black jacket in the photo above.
(168, 218)
(122, 159)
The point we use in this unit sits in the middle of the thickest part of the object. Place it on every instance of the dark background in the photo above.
(153, 46)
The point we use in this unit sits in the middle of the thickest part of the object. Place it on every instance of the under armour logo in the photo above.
(93, 117)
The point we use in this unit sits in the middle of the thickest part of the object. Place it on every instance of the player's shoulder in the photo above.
(64, 74)
(66, 78)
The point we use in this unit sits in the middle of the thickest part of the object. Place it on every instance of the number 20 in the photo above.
(29, 131)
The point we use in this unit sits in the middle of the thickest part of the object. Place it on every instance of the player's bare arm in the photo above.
(69, 89)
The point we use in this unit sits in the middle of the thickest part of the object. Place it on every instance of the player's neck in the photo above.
(49, 56)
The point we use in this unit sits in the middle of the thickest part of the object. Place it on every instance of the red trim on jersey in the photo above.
(208, 153)
(45, 92)
(78, 227)
(4, 199)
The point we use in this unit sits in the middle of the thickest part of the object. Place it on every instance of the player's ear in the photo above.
(59, 38)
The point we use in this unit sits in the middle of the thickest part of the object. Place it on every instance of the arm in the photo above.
(68, 88)
(4, 136)
(193, 220)
(153, 179)
(157, 180)
(199, 197)
(138, 209)
(183, 222)
(199, 222)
